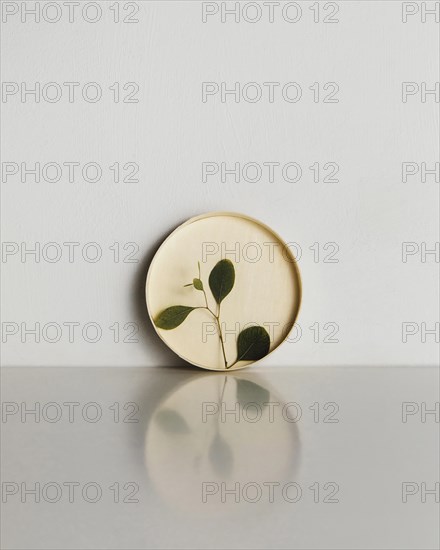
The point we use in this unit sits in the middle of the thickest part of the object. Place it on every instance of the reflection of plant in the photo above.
(220, 452)
(252, 343)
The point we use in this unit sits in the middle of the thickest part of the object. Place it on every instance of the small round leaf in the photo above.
(252, 344)
(198, 285)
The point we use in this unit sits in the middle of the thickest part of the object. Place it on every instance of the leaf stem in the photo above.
(217, 318)
(206, 300)
(221, 339)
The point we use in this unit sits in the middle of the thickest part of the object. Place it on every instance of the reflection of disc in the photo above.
(190, 443)
(266, 290)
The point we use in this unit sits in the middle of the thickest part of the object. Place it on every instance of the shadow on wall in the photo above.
(153, 343)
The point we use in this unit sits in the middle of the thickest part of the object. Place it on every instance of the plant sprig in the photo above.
(252, 343)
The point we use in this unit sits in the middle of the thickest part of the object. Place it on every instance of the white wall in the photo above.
(170, 132)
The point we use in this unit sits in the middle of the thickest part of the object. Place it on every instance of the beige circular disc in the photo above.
(239, 274)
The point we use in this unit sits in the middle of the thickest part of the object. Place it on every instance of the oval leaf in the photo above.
(198, 285)
(252, 344)
(221, 279)
(172, 317)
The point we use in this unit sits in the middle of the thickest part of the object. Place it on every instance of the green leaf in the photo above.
(172, 422)
(198, 285)
(221, 280)
(249, 392)
(172, 317)
(252, 344)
